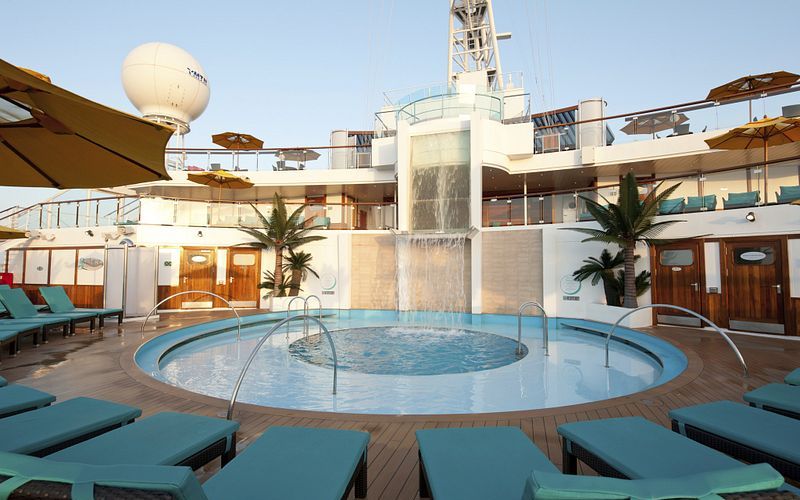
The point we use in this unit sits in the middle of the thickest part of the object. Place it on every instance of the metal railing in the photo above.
(688, 311)
(545, 334)
(305, 311)
(254, 352)
(238, 318)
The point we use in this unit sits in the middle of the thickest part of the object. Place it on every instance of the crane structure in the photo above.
(473, 50)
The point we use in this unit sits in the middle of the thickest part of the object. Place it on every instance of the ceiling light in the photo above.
(751, 217)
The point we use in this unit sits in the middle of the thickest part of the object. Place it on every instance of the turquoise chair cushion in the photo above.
(479, 463)
(292, 463)
(322, 221)
(742, 200)
(640, 449)
(762, 430)
(32, 431)
(8, 333)
(57, 299)
(3, 382)
(793, 378)
(749, 478)
(696, 203)
(16, 398)
(179, 482)
(672, 206)
(788, 194)
(780, 396)
(20, 307)
(163, 439)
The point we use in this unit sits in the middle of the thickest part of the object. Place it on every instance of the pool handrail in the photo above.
(688, 311)
(319, 308)
(289, 308)
(545, 333)
(238, 318)
(254, 352)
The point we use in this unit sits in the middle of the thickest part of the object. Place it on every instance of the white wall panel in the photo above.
(62, 267)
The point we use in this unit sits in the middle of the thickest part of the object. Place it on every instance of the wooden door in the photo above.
(244, 265)
(677, 280)
(754, 283)
(198, 271)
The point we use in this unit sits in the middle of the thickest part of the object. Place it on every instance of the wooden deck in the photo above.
(101, 366)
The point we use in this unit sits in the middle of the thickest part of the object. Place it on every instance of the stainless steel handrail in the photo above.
(688, 311)
(319, 308)
(238, 318)
(260, 343)
(289, 308)
(522, 307)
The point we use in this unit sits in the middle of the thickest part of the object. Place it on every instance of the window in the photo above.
(198, 259)
(680, 257)
(244, 259)
(754, 256)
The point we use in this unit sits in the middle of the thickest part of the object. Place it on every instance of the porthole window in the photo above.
(198, 259)
(754, 256)
(679, 257)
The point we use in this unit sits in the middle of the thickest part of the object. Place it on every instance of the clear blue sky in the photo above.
(289, 72)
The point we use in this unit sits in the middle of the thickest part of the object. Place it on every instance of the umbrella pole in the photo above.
(766, 166)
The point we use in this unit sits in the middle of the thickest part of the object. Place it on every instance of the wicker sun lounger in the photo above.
(20, 307)
(749, 434)
(289, 463)
(502, 463)
(59, 303)
(15, 399)
(53, 428)
(163, 439)
(777, 398)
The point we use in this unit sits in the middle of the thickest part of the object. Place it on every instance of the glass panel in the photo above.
(107, 213)
(535, 210)
(783, 181)
(192, 213)
(722, 184)
(224, 214)
(198, 259)
(244, 259)
(679, 257)
(754, 256)
(67, 214)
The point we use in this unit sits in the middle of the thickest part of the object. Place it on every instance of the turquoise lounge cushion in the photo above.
(672, 206)
(739, 200)
(292, 463)
(3, 382)
(639, 448)
(750, 478)
(758, 429)
(7, 334)
(180, 482)
(57, 299)
(16, 398)
(789, 193)
(479, 463)
(17, 303)
(33, 431)
(696, 203)
(793, 377)
(163, 439)
(780, 396)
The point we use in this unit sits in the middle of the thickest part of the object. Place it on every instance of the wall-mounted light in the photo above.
(89, 232)
(751, 217)
(199, 234)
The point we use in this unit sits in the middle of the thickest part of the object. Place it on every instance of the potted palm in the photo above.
(298, 264)
(602, 269)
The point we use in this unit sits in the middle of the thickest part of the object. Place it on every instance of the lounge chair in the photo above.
(777, 398)
(749, 434)
(10, 334)
(502, 463)
(16, 399)
(3, 382)
(793, 378)
(742, 200)
(37, 327)
(53, 428)
(39, 307)
(671, 206)
(163, 439)
(20, 307)
(701, 203)
(788, 194)
(290, 463)
(59, 303)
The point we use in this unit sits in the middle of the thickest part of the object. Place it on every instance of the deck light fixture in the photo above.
(751, 217)
(199, 234)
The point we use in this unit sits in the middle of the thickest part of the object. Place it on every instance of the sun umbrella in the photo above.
(297, 154)
(8, 233)
(237, 140)
(751, 83)
(220, 179)
(759, 134)
(50, 137)
(654, 123)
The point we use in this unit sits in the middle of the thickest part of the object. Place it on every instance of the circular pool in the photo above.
(392, 364)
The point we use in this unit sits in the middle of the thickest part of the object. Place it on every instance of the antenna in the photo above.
(473, 43)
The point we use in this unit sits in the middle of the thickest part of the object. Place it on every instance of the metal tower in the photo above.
(473, 41)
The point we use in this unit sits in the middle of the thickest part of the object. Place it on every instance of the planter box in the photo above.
(610, 314)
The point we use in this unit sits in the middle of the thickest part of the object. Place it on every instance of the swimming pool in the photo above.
(393, 364)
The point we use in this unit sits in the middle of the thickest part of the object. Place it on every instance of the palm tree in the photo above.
(602, 269)
(280, 232)
(642, 282)
(627, 223)
(299, 263)
(269, 284)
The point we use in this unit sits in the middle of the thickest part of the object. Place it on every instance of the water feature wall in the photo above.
(433, 258)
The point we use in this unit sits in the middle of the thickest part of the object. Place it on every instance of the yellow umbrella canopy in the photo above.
(751, 83)
(8, 233)
(220, 179)
(237, 140)
(50, 137)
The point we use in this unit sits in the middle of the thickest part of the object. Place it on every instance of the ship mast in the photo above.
(473, 49)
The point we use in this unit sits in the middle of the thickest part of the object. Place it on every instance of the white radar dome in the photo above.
(166, 84)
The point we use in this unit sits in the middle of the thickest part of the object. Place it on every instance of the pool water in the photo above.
(390, 364)
(409, 350)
